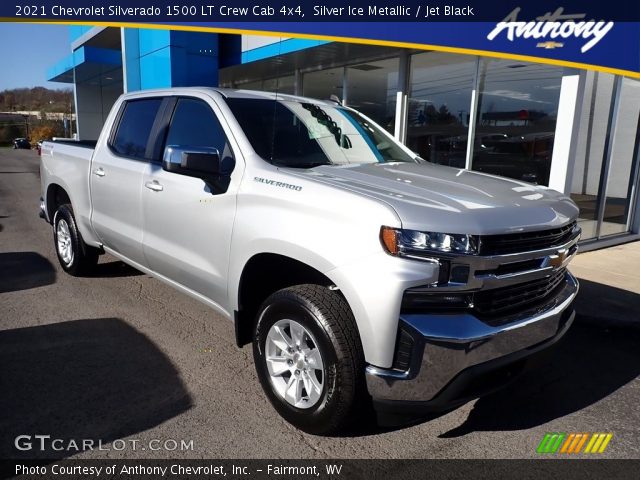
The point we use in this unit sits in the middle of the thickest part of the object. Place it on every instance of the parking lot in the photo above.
(122, 356)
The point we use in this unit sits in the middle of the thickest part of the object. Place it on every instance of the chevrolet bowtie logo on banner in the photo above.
(571, 443)
(550, 45)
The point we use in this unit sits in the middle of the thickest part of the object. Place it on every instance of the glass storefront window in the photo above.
(323, 83)
(617, 205)
(587, 169)
(588, 186)
(438, 106)
(516, 120)
(372, 89)
(281, 84)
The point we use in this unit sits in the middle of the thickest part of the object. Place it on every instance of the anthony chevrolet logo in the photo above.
(551, 26)
(573, 443)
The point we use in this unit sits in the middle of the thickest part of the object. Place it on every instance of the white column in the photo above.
(564, 132)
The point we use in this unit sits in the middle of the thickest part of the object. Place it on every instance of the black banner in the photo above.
(547, 468)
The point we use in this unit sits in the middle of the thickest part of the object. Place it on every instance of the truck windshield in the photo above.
(304, 135)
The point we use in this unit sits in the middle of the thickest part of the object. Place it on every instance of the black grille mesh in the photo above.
(500, 301)
(524, 242)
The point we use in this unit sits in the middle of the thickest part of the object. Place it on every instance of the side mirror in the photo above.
(200, 162)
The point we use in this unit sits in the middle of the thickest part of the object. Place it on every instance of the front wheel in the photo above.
(75, 256)
(309, 358)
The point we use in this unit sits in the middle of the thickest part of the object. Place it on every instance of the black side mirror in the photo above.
(200, 162)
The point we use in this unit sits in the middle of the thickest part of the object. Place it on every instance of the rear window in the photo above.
(135, 127)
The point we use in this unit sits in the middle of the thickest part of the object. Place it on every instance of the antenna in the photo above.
(335, 98)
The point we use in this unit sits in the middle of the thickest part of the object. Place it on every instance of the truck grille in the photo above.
(499, 301)
(523, 242)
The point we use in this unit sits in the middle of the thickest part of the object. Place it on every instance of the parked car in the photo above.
(22, 143)
(358, 271)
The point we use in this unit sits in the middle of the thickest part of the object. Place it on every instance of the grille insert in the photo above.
(500, 301)
(524, 242)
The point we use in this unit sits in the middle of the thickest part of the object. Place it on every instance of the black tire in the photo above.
(84, 258)
(327, 316)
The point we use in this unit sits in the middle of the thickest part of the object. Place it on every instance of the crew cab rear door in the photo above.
(116, 178)
(187, 220)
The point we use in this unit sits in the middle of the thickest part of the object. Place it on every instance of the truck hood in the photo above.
(451, 200)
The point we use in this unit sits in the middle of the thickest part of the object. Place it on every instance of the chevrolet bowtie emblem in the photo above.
(556, 261)
(550, 45)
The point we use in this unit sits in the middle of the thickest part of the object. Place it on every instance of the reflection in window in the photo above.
(372, 88)
(438, 107)
(281, 85)
(323, 83)
(587, 166)
(617, 206)
(517, 110)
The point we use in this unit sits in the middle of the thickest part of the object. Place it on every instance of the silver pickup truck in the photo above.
(359, 271)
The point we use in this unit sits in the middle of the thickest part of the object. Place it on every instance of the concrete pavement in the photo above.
(610, 285)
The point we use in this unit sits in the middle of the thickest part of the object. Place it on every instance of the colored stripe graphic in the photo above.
(567, 442)
(582, 442)
(606, 441)
(572, 443)
(558, 442)
(551, 442)
(543, 444)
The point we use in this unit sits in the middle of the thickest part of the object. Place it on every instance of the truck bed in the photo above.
(67, 163)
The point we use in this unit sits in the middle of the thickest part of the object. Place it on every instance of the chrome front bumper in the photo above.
(448, 348)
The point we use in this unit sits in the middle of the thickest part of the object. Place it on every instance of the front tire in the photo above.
(309, 358)
(75, 257)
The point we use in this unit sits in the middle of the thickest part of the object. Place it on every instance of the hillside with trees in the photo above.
(46, 109)
(38, 99)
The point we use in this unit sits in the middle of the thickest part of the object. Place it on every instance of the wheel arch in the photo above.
(255, 286)
(56, 196)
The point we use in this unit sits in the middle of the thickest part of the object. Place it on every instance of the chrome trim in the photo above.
(447, 344)
(43, 209)
(548, 261)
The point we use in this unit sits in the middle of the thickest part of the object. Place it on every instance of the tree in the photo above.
(46, 132)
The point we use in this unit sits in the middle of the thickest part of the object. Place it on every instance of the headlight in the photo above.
(413, 243)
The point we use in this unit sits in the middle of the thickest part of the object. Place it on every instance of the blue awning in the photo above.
(88, 62)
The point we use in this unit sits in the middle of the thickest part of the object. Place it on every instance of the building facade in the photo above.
(576, 131)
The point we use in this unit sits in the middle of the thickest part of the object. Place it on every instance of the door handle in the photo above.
(99, 172)
(155, 186)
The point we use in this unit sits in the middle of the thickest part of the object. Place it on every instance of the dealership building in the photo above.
(573, 130)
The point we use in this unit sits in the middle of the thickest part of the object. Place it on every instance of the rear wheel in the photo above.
(309, 358)
(75, 256)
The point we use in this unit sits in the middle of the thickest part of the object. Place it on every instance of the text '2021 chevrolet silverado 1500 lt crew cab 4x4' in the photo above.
(358, 270)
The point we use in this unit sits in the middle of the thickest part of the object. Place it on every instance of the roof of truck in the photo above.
(231, 93)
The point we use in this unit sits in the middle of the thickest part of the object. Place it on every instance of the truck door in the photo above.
(188, 223)
(116, 178)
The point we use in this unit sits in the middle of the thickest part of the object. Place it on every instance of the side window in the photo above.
(135, 127)
(195, 125)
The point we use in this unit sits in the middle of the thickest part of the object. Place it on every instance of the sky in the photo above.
(28, 51)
